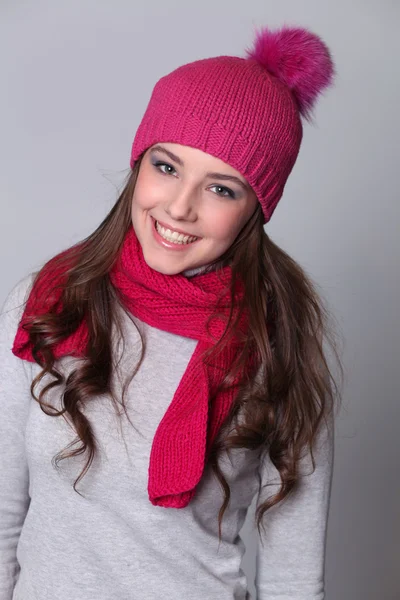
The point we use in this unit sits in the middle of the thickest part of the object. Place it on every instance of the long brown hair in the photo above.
(283, 407)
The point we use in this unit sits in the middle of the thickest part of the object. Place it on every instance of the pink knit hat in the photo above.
(245, 111)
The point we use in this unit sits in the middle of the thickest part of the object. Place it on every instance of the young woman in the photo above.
(167, 370)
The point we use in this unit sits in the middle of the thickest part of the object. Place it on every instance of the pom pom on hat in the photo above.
(298, 58)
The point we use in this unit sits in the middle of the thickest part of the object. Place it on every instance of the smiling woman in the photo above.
(182, 200)
(181, 310)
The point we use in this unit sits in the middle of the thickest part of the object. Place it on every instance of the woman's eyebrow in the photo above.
(180, 162)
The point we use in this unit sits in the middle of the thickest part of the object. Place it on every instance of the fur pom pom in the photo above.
(297, 57)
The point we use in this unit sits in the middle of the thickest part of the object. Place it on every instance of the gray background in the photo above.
(75, 80)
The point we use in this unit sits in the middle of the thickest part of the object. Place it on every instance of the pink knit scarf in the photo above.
(181, 306)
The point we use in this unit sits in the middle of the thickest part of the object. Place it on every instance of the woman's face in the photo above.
(187, 191)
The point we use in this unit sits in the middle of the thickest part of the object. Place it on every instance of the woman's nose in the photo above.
(182, 206)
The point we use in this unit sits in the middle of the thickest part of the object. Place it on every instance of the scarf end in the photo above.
(173, 500)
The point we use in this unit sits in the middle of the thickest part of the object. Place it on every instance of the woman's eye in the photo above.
(229, 192)
(161, 164)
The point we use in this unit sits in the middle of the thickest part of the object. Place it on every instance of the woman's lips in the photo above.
(169, 245)
(166, 226)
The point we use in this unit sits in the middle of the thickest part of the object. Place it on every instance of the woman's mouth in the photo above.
(170, 238)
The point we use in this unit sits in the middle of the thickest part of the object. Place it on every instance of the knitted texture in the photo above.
(181, 306)
(244, 111)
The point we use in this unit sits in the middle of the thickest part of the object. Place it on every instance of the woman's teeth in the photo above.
(174, 236)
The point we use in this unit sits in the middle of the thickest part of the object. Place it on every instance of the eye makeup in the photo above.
(158, 163)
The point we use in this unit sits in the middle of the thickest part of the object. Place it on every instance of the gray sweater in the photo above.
(111, 543)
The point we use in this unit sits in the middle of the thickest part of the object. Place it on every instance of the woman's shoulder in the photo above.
(10, 316)
(17, 296)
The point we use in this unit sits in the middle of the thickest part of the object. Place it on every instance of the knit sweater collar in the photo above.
(194, 271)
(198, 270)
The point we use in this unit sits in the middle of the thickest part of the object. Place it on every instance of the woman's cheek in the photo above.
(224, 224)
